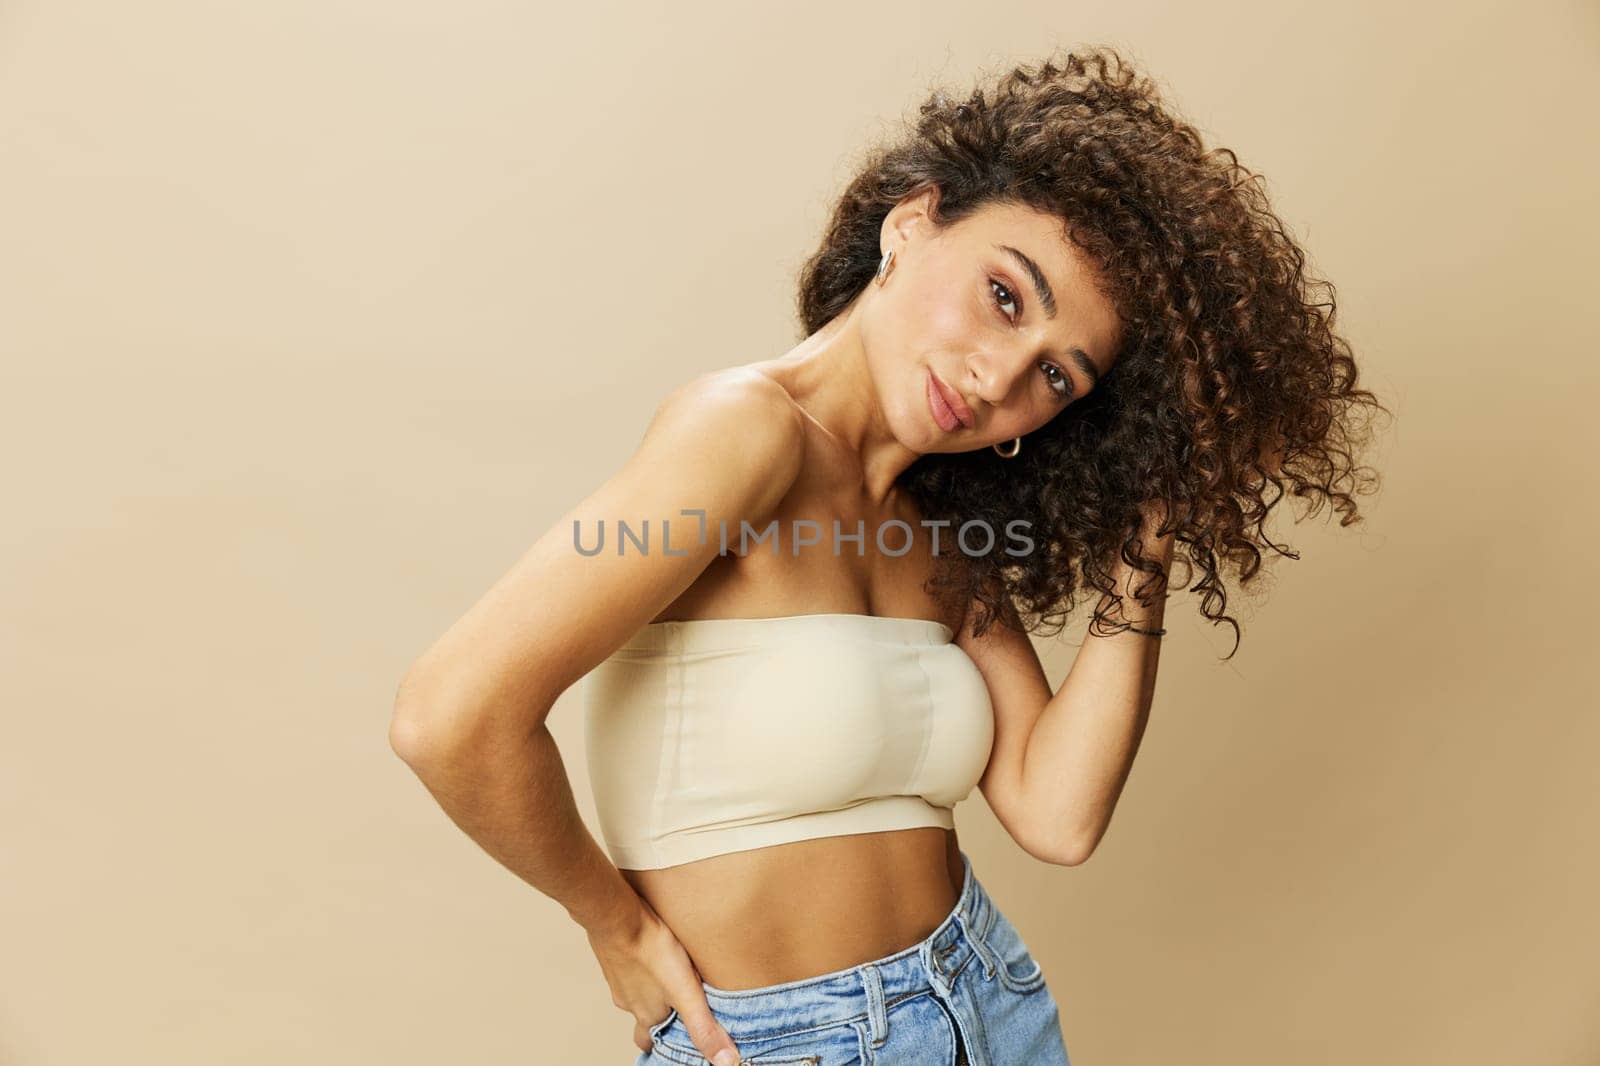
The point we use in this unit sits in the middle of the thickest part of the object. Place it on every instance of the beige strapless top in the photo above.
(716, 735)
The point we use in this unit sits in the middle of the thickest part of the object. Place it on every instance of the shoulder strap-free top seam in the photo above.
(926, 725)
(672, 723)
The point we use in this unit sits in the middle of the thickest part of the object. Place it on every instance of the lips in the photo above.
(948, 406)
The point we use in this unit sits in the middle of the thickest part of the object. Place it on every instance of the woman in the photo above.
(1047, 336)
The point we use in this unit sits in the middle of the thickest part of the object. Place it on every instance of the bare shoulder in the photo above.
(737, 391)
(736, 420)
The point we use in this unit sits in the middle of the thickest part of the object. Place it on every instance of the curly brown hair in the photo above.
(1231, 387)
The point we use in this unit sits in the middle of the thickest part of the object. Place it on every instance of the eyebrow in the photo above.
(1047, 300)
(1041, 284)
(1085, 365)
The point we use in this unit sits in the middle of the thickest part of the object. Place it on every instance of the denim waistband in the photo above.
(867, 990)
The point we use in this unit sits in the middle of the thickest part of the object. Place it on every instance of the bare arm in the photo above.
(470, 715)
(1060, 761)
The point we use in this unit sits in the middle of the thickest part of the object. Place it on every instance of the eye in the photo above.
(1003, 295)
(1065, 383)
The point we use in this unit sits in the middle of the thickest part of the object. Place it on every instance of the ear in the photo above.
(911, 218)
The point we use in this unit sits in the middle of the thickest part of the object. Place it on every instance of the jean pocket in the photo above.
(814, 1048)
(682, 1056)
(662, 1051)
(660, 1027)
(1016, 967)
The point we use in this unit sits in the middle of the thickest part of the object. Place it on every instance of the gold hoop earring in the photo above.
(1016, 446)
(885, 265)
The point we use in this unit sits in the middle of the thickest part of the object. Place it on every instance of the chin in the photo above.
(915, 428)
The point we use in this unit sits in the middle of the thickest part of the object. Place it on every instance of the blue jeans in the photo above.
(970, 993)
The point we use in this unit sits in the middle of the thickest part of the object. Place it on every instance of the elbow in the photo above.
(408, 738)
(1077, 855)
(1061, 848)
(1066, 854)
(1077, 849)
(438, 723)
(419, 732)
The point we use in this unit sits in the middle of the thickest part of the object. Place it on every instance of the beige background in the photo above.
(315, 314)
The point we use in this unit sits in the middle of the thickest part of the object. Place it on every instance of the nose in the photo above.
(990, 377)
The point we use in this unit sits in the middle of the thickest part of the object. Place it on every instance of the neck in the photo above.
(829, 378)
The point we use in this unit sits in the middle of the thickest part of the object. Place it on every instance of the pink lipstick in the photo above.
(949, 411)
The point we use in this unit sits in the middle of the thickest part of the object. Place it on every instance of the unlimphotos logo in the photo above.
(894, 538)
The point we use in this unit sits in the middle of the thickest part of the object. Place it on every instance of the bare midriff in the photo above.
(773, 915)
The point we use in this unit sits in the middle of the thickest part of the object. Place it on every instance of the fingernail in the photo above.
(726, 1057)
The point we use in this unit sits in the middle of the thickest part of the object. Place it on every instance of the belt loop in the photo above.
(877, 1013)
(980, 944)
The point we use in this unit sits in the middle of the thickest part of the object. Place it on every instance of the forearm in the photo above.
(514, 798)
(1083, 744)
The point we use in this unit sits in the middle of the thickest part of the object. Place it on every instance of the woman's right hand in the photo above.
(650, 974)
